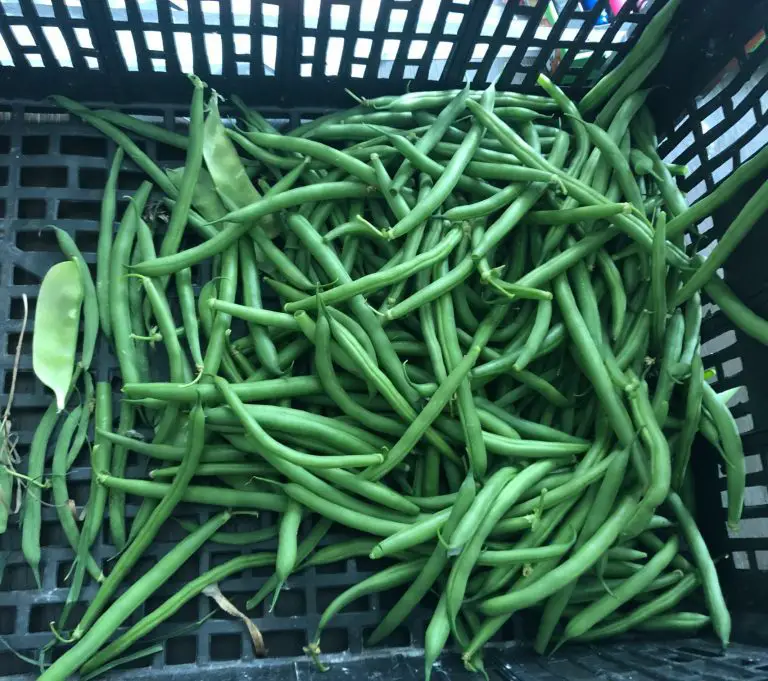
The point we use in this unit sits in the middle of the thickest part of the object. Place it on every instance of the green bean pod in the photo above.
(97, 635)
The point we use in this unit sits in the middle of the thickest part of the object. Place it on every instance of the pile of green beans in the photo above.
(464, 325)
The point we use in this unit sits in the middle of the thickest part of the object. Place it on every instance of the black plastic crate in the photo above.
(295, 52)
(711, 105)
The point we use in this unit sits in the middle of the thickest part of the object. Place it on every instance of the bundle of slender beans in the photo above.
(462, 327)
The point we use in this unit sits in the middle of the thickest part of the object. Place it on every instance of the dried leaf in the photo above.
(72, 506)
(19, 495)
(226, 605)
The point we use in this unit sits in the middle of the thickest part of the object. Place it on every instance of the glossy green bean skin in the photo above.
(118, 287)
(257, 391)
(217, 339)
(718, 611)
(486, 365)
(162, 512)
(436, 636)
(432, 291)
(633, 226)
(520, 206)
(104, 247)
(529, 429)
(116, 500)
(722, 193)
(334, 388)
(431, 137)
(658, 281)
(580, 480)
(499, 577)
(594, 465)
(177, 365)
(90, 301)
(579, 563)
(683, 622)
(607, 84)
(143, 128)
(194, 161)
(448, 179)
(536, 336)
(419, 531)
(31, 512)
(275, 448)
(124, 141)
(495, 557)
(198, 494)
(132, 598)
(287, 547)
(375, 281)
(375, 492)
(386, 579)
(246, 538)
(587, 591)
(425, 418)
(471, 520)
(89, 404)
(59, 486)
(240, 221)
(333, 267)
(691, 338)
(737, 230)
(632, 82)
(432, 568)
(209, 469)
(186, 294)
(470, 421)
(693, 405)
(640, 581)
(306, 547)
(462, 566)
(342, 515)
(174, 603)
(636, 617)
(385, 386)
(593, 364)
(216, 454)
(733, 308)
(734, 454)
(661, 464)
(266, 352)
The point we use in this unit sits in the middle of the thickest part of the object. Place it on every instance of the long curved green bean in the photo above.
(603, 89)
(104, 247)
(733, 308)
(707, 205)
(432, 568)
(194, 161)
(172, 494)
(61, 497)
(737, 230)
(721, 619)
(449, 178)
(240, 222)
(575, 566)
(378, 280)
(635, 584)
(735, 467)
(97, 635)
